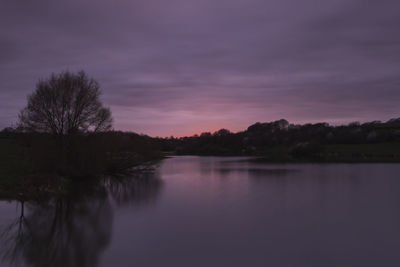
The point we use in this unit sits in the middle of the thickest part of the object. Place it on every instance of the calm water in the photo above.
(210, 211)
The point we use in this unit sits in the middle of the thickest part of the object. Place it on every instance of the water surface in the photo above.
(211, 211)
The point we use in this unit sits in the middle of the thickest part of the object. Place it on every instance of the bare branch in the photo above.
(66, 103)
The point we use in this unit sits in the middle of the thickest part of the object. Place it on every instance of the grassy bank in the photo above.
(33, 165)
(384, 152)
(340, 153)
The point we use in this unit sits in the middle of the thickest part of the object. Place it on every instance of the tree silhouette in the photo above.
(64, 104)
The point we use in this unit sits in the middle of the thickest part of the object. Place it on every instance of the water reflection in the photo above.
(258, 173)
(73, 230)
(218, 212)
(143, 189)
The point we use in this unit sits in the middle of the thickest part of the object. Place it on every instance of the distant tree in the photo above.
(222, 132)
(8, 130)
(394, 120)
(354, 124)
(64, 104)
(205, 135)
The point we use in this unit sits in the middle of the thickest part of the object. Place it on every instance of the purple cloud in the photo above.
(185, 66)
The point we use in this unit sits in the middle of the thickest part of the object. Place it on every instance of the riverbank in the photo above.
(36, 166)
(336, 153)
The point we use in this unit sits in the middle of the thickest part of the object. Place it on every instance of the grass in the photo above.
(12, 165)
(347, 153)
(14, 168)
(383, 152)
(32, 166)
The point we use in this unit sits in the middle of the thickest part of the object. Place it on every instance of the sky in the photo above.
(179, 67)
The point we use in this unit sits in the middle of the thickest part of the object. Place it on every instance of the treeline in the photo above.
(282, 141)
(41, 155)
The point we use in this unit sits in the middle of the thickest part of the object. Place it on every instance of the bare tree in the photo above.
(64, 104)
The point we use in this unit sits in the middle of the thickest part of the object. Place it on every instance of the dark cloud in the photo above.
(181, 66)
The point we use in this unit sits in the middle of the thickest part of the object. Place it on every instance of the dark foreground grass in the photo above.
(340, 153)
(15, 171)
(12, 165)
(34, 166)
(384, 152)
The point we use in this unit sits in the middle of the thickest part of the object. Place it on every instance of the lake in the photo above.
(213, 211)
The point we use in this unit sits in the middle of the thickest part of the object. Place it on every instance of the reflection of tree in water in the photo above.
(142, 188)
(12, 238)
(69, 231)
(73, 230)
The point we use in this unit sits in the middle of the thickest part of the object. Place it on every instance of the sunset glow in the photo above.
(185, 67)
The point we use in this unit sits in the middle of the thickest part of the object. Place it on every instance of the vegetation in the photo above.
(281, 141)
(64, 104)
(33, 164)
(63, 135)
